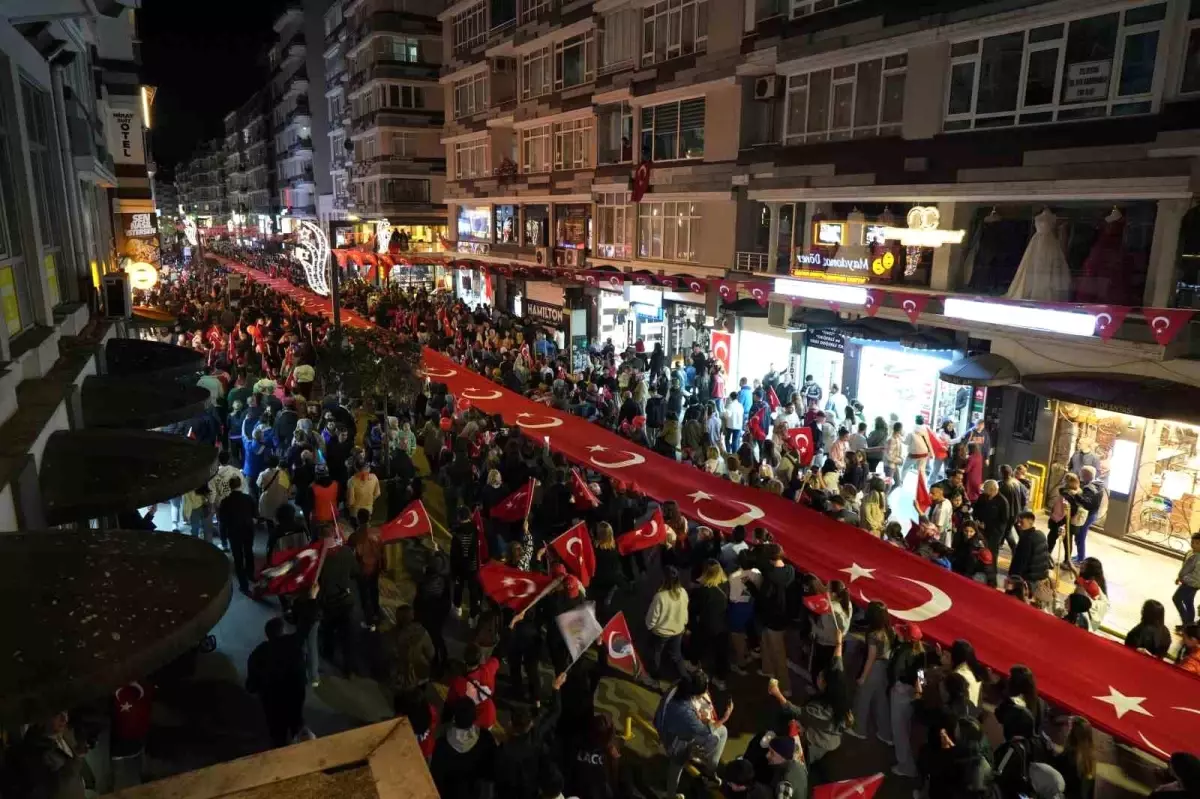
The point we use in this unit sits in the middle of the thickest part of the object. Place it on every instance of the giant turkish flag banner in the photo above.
(1147, 703)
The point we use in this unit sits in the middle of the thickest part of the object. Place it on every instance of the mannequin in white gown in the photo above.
(1043, 273)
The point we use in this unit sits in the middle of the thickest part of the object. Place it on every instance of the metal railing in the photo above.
(752, 261)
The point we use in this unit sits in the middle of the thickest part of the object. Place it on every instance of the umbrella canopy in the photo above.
(1151, 397)
(982, 369)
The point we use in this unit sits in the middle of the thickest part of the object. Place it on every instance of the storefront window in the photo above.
(901, 381)
(1101, 439)
(506, 224)
(572, 229)
(537, 225)
(1166, 502)
(475, 223)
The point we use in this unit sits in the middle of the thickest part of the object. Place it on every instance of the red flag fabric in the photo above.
(574, 549)
(912, 304)
(513, 588)
(924, 501)
(515, 507)
(1165, 323)
(581, 493)
(756, 427)
(485, 553)
(727, 289)
(292, 570)
(858, 788)
(873, 301)
(772, 398)
(649, 533)
(131, 711)
(412, 522)
(801, 439)
(818, 604)
(619, 645)
(937, 446)
(641, 181)
(759, 292)
(1120, 690)
(1109, 319)
(721, 348)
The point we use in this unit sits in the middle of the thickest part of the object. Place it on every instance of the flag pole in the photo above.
(541, 595)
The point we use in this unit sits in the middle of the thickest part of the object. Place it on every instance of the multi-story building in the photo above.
(290, 118)
(200, 183)
(384, 105)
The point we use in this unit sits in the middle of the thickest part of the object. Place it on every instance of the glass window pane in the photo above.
(999, 73)
(1091, 45)
(1138, 16)
(893, 99)
(959, 49)
(818, 104)
(962, 84)
(843, 100)
(1137, 65)
(798, 106)
(1048, 33)
(1191, 64)
(1040, 77)
(866, 100)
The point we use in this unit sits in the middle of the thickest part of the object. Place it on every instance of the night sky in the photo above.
(205, 60)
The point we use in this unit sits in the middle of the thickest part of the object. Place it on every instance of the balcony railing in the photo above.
(386, 117)
(300, 144)
(388, 69)
(751, 262)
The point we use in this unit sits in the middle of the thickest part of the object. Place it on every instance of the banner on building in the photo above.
(125, 140)
(137, 238)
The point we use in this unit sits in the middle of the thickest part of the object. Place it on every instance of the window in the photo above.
(536, 75)
(474, 222)
(619, 32)
(530, 9)
(668, 231)
(1190, 77)
(1083, 69)
(337, 147)
(470, 159)
(506, 224)
(14, 289)
(615, 131)
(672, 28)
(333, 18)
(573, 61)
(403, 145)
(397, 48)
(614, 225)
(850, 101)
(535, 149)
(802, 8)
(573, 144)
(394, 96)
(47, 186)
(471, 95)
(536, 225)
(366, 149)
(404, 190)
(470, 26)
(673, 130)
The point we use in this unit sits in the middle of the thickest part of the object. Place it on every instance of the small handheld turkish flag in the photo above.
(515, 507)
(618, 643)
(817, 604)
(581, 494)
(485, 553)
(412, 522)
(858, 788)
(513, 588)
(772, 398)
(650, 533)
(801, 440)
(756, 426)
(292, 570)
(574, 549)
(924, 501)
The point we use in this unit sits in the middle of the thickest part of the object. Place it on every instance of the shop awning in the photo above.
(124, 402)
(129, 357)
(93, 610)
(1150, 397)
(90, 474)
(902, 333)
(985, 369)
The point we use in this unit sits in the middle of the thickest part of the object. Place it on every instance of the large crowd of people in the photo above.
(716, 606)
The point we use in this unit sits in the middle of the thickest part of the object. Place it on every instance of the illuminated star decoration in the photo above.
(312, 251)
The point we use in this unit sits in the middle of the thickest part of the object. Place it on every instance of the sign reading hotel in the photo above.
(125, 136)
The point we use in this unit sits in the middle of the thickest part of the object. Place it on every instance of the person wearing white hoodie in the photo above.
(666, 620)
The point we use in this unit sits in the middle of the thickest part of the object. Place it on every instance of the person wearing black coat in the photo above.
(464, 564)
(708, 609)
(521, 759)
(993, 514)
(464, 758)
(1150, 635)
(1031, 560)
(432, 602)
(276, 673)
(608, 576)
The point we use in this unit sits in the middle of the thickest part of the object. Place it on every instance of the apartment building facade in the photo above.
(385, 107)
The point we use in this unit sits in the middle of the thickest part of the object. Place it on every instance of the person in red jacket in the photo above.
(478, 684)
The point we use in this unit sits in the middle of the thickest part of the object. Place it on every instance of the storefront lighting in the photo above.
(142, 275)
(922, 230)
(1068, 323)
(147, 96)
(826, 292)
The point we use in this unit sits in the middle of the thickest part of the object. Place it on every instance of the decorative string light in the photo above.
(312, 251)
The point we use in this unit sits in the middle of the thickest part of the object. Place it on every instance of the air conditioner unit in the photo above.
(545, 257)
(570, 257)
(764, 87)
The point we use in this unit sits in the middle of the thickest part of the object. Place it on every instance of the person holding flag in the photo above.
(574, 549)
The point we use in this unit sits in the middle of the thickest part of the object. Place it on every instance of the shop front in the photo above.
(542, 305)
(473, 286)
(1149, 466)
(686, 323)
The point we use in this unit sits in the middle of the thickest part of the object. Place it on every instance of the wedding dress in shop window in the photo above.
(1043, 273)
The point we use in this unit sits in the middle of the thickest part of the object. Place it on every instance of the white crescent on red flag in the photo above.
(292, 570)
(618, 644)
(412, 522)
(513, 588)
(515, 507)
(650, 533)
(574, 549)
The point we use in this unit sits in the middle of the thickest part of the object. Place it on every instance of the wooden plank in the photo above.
(269, 767)
(399, 768)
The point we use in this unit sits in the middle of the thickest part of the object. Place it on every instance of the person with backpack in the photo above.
(1022, 748)
(477, 682)
(526, 752)
(689, 729)
(771, 607)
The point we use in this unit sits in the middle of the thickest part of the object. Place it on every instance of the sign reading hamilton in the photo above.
(543, 312)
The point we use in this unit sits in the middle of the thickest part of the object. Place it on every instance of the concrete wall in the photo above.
(722, 123)
(925, 90)
(314, 35)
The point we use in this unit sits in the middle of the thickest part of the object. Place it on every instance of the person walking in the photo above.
(919, 449)
(236, 520)
(368, 551)
(992, 513)
(276, 673)
(1091, 498)
(666, 620)
(336, 585)
(734, 418)
(362, 490)
(1031, 561)
(1188, 582)
(771, 607)
(709, 609)
(893, 455)
(464, 566)
(871, 700)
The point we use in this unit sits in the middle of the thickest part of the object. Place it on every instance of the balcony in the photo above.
(305, 176)
(299, 146)
(392, 22)
(387, 69)
(339, 78)
(397, 118)
(394, 164)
